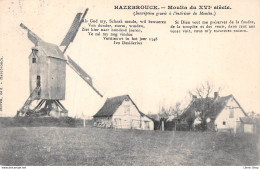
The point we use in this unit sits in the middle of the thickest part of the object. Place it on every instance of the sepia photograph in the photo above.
(129, 83)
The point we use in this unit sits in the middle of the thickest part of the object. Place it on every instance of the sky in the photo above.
(154, 74)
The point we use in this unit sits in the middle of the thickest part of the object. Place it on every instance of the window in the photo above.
(117, 120)
(33, 60)
(224, 123)
(127, 109)
(147, 126)
(231, 113)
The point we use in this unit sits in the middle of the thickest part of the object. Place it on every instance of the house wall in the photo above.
(128, 117)
(147, 124)
(103, 122)
(226, 122)
(239, 127)
(248, 128)
(52, 72)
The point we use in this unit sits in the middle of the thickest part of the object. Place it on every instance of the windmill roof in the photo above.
(51, 50)
(112, 104)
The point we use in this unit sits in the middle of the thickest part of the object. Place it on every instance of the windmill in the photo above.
(47, 64)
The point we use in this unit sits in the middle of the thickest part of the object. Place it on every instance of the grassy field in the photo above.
(95, 146)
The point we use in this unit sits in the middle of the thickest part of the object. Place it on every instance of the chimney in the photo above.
(216, 95)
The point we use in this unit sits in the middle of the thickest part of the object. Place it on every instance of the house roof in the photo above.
(218, 105)
(194, 106)
(247, 120)
(215, 106)
(155, 117)
(112, 104)
(142, 114)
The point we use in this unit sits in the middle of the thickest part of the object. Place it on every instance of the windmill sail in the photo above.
(32, 36)
(82, 74)
(73, 30)
(56, 67)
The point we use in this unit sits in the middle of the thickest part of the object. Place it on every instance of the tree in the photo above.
(175, 111)
(252, 114)
(165, 113)
(204, 90)
(204, 101)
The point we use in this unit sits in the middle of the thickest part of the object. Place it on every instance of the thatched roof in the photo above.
(196, 105)
(214, 107)
(142, 114)
(112, 104)
(218, 105)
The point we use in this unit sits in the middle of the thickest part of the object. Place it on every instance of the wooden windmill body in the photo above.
(47, 64)
(48, 70)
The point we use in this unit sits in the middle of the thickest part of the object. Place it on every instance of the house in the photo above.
(247, 125)
(156, 120)
(221, 113)
(122, 112)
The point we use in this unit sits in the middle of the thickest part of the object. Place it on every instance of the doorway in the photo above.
(39, 84)
(146, 125)
(38, 81)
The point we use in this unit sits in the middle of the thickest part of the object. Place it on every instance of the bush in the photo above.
(182, 127)
(37, 122)
(200, 127)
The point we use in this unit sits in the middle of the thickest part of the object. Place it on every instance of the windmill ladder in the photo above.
(31, 98)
